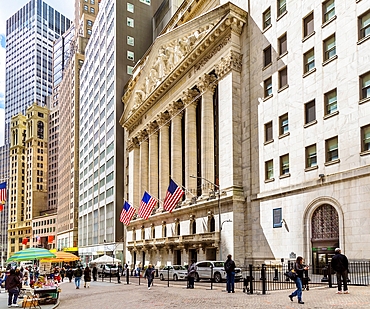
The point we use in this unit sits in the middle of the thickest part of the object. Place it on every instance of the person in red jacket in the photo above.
(12, 283)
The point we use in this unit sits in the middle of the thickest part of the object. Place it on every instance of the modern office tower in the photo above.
(120, 36)
(27, 195)
(30, 34)
(268, 104)
(68, 103)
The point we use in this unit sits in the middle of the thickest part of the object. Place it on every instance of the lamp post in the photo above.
(219, 210)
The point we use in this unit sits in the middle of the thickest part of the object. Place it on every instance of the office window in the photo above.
(267, 87)
(145, 1)
(283, 77)
(86, 7)
(328, 9)
(330, 99)
(365, 134)
(130, 7)
(331, 149)
(311, 156)
(89, 32)
(89, 23)
(268, 131)
(130, 40)
(365, 85)
(267, 56)
(281, 7)
(329, 47)
(266, 18)
(308, 25)
(284, 165)
(269, 170)
(130, 55)
(282, 44)
(92, 1)
(309, 60)
(129, 69)
(130, 22)
(92, 10)
(364, 24)
(283, 124)
(310, 112)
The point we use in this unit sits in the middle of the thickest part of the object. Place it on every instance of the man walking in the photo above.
(339, 263)
(78, 274)
(230, 274)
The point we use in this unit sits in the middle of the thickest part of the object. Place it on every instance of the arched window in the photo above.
(325, 223)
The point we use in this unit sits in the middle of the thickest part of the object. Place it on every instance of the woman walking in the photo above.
(87, 277)
(299, 268)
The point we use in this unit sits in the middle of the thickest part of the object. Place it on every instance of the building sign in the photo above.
(277, 217)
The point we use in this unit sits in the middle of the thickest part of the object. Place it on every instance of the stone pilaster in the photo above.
(207, 84)
(133, 172)
(144, 160)
(152, 130)
(190, 101)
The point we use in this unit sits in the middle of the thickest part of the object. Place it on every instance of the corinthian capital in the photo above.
(175, 108)
(142, 136)
(233, 61)
(132, 143)
(190, 96)
(163, 119)
(207, 82)
(152, 128)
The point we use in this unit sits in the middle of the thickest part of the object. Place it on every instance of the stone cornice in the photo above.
(132, 143)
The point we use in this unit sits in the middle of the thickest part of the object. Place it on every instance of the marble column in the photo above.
(176, 113)
(190, 101)
(153, 159)
(164, 154)
(144, 159)
(133, 172)
(207, 85)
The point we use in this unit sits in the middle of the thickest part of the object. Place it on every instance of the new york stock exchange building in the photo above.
(219, 104)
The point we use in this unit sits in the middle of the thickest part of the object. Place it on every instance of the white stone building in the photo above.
(270, 101)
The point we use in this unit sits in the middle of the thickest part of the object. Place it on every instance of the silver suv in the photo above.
(204, 271)
(108, 269)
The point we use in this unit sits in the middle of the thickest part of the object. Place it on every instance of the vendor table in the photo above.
(47, 295)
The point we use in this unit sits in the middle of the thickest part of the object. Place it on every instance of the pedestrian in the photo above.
(87, 277)
(191, 274)
(62, 273)
(149, 274)
(299, 268)
(78, 274)
(119, 272)
(69, 274)
(339, 263)
(125, 268)
(95, 273)
(12, 283)
(230, 274)
(26, 275)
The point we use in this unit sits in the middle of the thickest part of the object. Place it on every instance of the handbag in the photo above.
(291, 274)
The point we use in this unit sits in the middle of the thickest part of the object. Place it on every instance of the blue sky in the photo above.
(7, 9)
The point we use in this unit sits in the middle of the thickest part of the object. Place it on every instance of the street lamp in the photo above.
(219, 210)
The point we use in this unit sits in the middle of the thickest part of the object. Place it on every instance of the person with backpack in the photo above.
(230, 274)
(78, 274)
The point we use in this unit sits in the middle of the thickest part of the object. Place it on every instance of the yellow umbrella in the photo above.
(62, 256)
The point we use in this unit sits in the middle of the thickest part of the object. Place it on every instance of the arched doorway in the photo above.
(325, 236)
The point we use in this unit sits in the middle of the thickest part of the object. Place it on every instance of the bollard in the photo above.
(263, 275)
(168, 277)
(251, 278)
(211, 276)
(329, 276)
(139, 275)
(127, 276)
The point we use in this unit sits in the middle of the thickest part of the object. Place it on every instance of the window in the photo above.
(282, 44)
(283, 124)
(89, 23)
(92, 1)
(129, 69)
(269, 170)
(328, 9)
(311, 156)
(364, 24)
(130, 40)
(308, 26)
(145, 1)
(86, 7)
(268, 131)
(309, 60)
(130, 55)
(331, 149)
(266, 18)
(130, 7)
(130, 22)
(283, 77)
(92, 10)
(365, 133)
(268, 87)
(365, 86)
(284, 165)
(310, 112)
(267, 56)
(329, 47)
(281, 7)
(89, 32)
(330, 102)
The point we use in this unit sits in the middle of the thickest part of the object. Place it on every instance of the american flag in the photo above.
(146, 205)
(2, 195)
(173, 195)
(127, 213)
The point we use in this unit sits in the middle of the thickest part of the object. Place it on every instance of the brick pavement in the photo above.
(104, 295)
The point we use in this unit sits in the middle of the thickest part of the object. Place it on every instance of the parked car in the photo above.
(107, 269)
(204, 271)
(173, 272)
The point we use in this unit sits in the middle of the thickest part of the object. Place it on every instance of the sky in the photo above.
(7, 9)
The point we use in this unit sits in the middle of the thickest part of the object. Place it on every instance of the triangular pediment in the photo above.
(172, 53)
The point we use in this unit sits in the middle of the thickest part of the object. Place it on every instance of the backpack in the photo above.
(227, 266)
